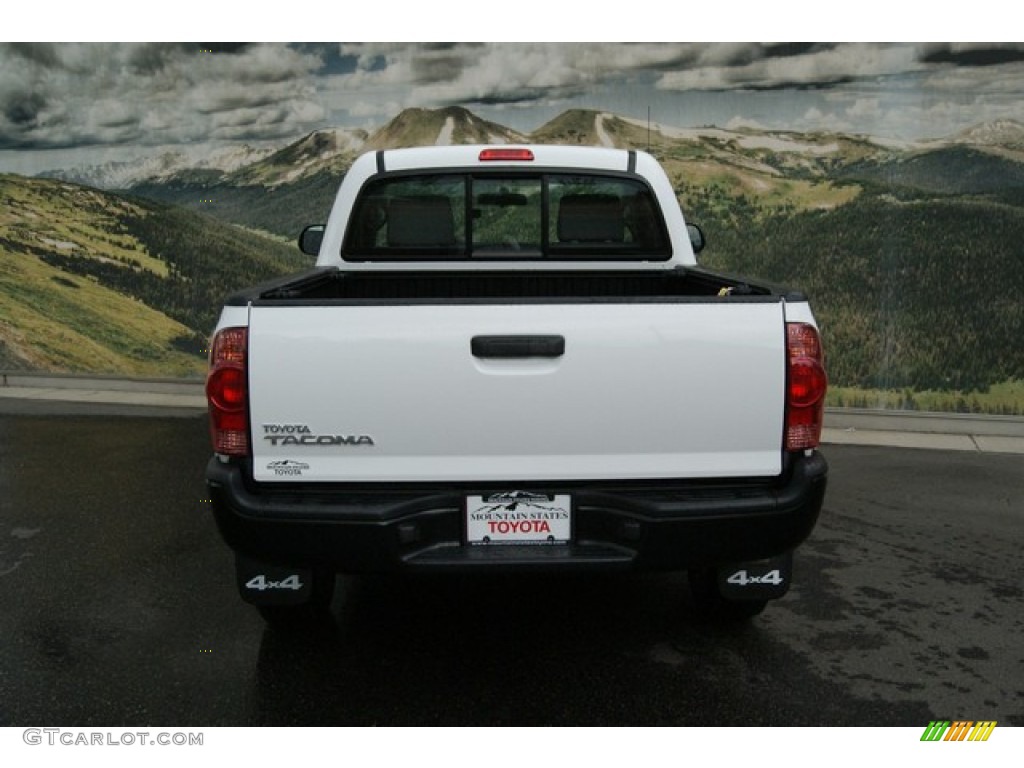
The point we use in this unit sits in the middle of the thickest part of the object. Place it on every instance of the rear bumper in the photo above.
(660, 525)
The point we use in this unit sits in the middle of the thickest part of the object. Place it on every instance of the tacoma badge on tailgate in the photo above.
(300, 434)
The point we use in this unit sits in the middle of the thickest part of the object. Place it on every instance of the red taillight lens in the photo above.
(506, 153)
(227, 393)
(226, 388)
(806, 384)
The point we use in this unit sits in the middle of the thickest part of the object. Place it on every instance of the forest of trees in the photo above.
(919, 293)
(283, 210)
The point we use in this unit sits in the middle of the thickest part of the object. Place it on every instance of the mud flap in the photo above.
(757, 579)
(264, 584)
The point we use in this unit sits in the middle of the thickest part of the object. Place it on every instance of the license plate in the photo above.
(519, 517)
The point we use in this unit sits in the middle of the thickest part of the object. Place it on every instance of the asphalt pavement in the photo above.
(118, 607)
(118, 604)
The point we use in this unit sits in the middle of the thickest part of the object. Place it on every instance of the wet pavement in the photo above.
(118, 607)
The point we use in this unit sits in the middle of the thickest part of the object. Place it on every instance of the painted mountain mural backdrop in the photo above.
(910, 250)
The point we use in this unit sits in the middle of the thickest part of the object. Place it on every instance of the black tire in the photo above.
(709, 603)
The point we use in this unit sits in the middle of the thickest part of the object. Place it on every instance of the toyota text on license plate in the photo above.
(518, 517)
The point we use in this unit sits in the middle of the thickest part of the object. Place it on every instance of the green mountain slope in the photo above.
(922, 294)
(95, 282)
(281, 209)
(949, 171)
(326, 151)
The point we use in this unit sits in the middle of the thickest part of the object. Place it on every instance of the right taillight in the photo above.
(227, 392)
(806, 383)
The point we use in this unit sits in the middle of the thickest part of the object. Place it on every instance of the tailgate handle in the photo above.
(518, 346)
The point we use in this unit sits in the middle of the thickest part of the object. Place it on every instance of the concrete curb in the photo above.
(911, 429)
(924, 422)
(843, 426)
(107, 394)
(29, 380)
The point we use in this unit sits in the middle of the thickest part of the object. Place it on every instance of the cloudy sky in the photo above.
(71, 104)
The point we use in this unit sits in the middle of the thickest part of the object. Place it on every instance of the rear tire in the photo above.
(709, 603)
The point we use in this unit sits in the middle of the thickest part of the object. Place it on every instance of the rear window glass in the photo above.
(515, 216)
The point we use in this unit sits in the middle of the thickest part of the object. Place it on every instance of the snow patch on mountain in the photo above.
(777, 144)
(120, 174)
(444, 136)
(602, 134)
(997, 133)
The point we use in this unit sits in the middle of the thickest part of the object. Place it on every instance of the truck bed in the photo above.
(328, 285)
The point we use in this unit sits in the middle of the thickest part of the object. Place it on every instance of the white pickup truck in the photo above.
(508, 358)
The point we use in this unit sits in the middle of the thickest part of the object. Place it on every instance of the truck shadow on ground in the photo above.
(456, 649)
(541, 650)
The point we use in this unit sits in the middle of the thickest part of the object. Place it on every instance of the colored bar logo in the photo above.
(958, 730)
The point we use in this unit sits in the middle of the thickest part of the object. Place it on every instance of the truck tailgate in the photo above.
(350, 393)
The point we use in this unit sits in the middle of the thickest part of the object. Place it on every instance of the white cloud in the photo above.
(865, 108)
(151, 94)
(430, 75)
(815, 119)
(738, 123)
(761, 70)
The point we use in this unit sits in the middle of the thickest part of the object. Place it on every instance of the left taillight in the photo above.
(227, 392)
(806, 384)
